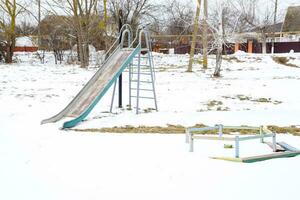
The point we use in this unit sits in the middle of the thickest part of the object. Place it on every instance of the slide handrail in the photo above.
(125, 27)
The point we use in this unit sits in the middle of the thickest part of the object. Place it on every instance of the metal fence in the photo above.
(262, 132)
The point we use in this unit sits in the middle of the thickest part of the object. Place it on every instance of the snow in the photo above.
(240, 53)
(92, 49)
(25, 42)
(44, 162)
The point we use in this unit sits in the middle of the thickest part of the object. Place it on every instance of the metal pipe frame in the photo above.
(264, 132)
(127, 30)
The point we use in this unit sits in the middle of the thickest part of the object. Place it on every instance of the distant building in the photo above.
(291, 26)
(286, 35)
(25, 44)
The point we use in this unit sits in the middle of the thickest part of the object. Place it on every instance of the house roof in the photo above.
(292, 19)
(25, 42)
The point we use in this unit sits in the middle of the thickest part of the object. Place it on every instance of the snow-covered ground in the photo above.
(44, 162)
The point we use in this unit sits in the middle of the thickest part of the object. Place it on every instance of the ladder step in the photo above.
(141, 73)
(143, 65)
(143, 97)
(141, 81)
(141, 57)
(142, 89)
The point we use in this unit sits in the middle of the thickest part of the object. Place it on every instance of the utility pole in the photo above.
(204, 37)
(39, 23)
(196, 25)
(120, 77)
(275, 15)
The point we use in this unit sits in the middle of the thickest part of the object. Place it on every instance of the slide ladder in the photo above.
(141, 75)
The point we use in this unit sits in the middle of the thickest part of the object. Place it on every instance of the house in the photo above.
(181, 43)
(291, 26)
(25, 44)
(286, 35)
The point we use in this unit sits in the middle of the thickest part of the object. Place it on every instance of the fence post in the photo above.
(261, 134)
(220, 130)
(237, 147)
(191, 142)
(274, 142)
(236, 47)
(187, 135)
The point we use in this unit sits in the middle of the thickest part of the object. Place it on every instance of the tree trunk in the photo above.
(80, 34)
(218, 63)
(264, 43)
(10, 49)
(80, 48)
(85, 45)
(220, 37)
(205, 36)
(196, 25)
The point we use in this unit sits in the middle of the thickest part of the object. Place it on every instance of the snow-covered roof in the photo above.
(25, 42)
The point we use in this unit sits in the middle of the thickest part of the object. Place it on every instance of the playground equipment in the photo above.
(280, 149)
(118, 58)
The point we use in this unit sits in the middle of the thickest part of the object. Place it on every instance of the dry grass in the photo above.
(214, 103)
(259, 100)
(283, 61)
(286, 129)
(179, 129)
(174, 129)
(231, 59)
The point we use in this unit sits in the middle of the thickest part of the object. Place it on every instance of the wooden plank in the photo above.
(202, 129)
(286, 154)
(278, 147)
(255, 137)
(287, 146)
(253, 159)
(228, 159)
(204, 137)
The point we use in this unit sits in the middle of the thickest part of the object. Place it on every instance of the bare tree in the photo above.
(25, 28)
(134, 12)
(179, 17)
(10, 10)
(81, 15)
(254, 19)
(219, 19)
(219, 41)
(205, 38)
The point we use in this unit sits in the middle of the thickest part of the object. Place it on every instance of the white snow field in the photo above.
(42, 162)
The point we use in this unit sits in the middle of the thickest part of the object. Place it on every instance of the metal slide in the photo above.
(119, 58)
(96, 87)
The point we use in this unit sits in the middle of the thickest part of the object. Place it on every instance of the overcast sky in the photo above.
(265, 4)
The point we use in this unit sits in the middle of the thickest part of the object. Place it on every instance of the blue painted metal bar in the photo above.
(237, 147)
